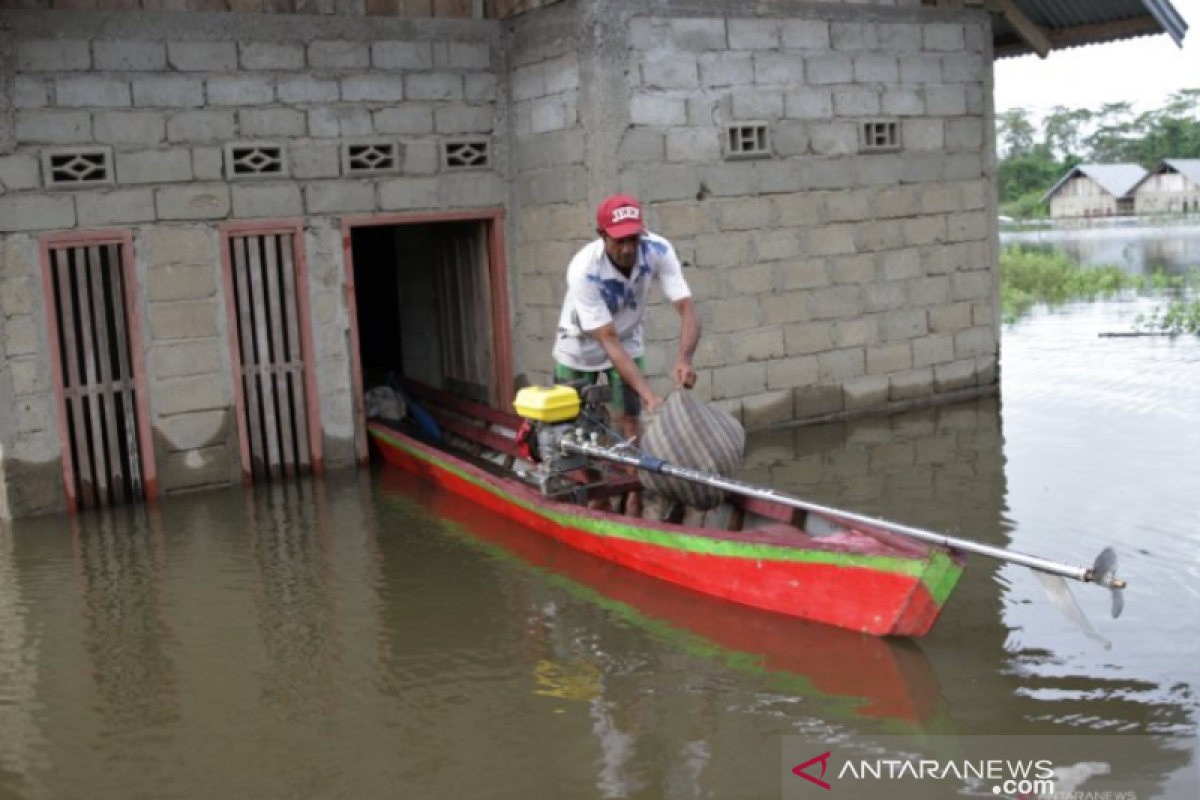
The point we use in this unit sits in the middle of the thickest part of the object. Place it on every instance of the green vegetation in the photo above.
(1180, 316)
(1029, 277)
(1035, 158)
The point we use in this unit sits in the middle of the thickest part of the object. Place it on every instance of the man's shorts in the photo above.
(624, 398)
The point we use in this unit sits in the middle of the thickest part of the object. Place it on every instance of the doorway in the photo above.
(429, 303)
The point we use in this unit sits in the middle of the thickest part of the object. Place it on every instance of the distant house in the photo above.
(1171, 187)
(1095, 190)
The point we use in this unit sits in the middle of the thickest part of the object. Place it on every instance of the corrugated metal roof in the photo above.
(1072, 23)
(1116, 179)
(1187, 167)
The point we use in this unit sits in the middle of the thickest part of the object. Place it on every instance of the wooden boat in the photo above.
(845, 673)
(769, 556)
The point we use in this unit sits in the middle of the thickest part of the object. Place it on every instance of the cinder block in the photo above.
(790, 139)
(693, 144)
(562, 74)
(899, 38)
(372, 88)
(51, 126)
(270, 122)
(127, 56)
(529, 82)
(129, 127)
(739, 381)
(53, 55)
(194, 469)
(963, 167)
(552, 114)
(401, 55)
(29, 377)
(473, 190)
(769, 408)
(92, 91)
(671, 72)
(202, 56)
(834, 302)
(903, 103)
(173, 282)
(202, 126)
(829, 69)
(920, 69)
(943, 36)
(196, 430)
(880, 170)
(433, 86)
(830, 240)
(911, 384)
(340, 122)
(725, 69)
(808, 338)
(852, 36)
(461, 55)
(267, 200)
(963, 68)
(641, 145)
(310, 161)
(648, 109)
(183, 358)
(208, 163)
(728, 315)
(964, 134)
(933, 350)
(240, 91)
(758, 104)
(197, 201)
(19, 297)
(29, 92)
(778, 68)
(31, 212)
(958, 375)
(885, 296)
(876, 69)
(339, 197)
(852, 270)
(801, 275)
(699, 35)
(808, 104)
(792, 371)
(270, 56)
(950, 319)
(177, 245)
(168, 91)
(19, 171)
(865, 393)
(888, 358)
(464, 119)
(757, 345)
(192, 320)
(307, 89)
(754, 34)
(154, 166)
(421, 158)
(945, 100)
(481, 88)
(903, 324)
(339, 54)
(923, 134)
(405, 120)
(856, 102)
(840, 365)
(120, 207)
(805, 34)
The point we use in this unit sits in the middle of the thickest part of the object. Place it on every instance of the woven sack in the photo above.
(690, 433)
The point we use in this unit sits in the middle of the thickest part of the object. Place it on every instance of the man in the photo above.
(608, 286)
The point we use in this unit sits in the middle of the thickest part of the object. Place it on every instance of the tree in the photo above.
(1063, 131)
(1015, 132)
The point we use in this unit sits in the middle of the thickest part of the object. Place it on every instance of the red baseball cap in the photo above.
(619, 216)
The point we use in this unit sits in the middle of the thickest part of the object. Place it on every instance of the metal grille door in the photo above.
(98, 369)
(266, 287)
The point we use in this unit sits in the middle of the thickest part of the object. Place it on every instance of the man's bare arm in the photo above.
(625, 365)
(684, 374)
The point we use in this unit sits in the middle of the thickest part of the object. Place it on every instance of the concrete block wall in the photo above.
(830, 281)
(164, 94)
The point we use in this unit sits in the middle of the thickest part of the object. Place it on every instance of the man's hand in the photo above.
(651, 403)
(684, 374)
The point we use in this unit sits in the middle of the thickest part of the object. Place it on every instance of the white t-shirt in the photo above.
(597, 294)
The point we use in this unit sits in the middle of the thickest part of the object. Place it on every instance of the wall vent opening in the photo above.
(466, 154)
(91, 166)
(880, 136)
(370, 158)
(260, 160)
(747, 140)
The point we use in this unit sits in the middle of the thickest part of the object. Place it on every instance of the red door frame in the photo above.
(137, 353)
(497, 276)
(299, 258)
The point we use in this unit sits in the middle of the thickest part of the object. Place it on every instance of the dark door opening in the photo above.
(426, 307)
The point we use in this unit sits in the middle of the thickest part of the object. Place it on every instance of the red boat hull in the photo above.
(878, 591)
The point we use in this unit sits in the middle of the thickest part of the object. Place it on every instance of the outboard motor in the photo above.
(551, 413)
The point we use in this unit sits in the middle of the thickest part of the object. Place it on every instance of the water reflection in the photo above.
(1173, 250)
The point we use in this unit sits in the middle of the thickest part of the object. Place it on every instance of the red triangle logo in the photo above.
(824, 759)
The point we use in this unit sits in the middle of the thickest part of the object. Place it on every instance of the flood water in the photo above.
(367, 636)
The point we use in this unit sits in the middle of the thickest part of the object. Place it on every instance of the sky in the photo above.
(1143, 71)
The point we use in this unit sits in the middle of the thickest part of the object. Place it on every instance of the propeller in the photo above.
(1104, 573)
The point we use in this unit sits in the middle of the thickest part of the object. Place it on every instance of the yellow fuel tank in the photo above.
(548, 403)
